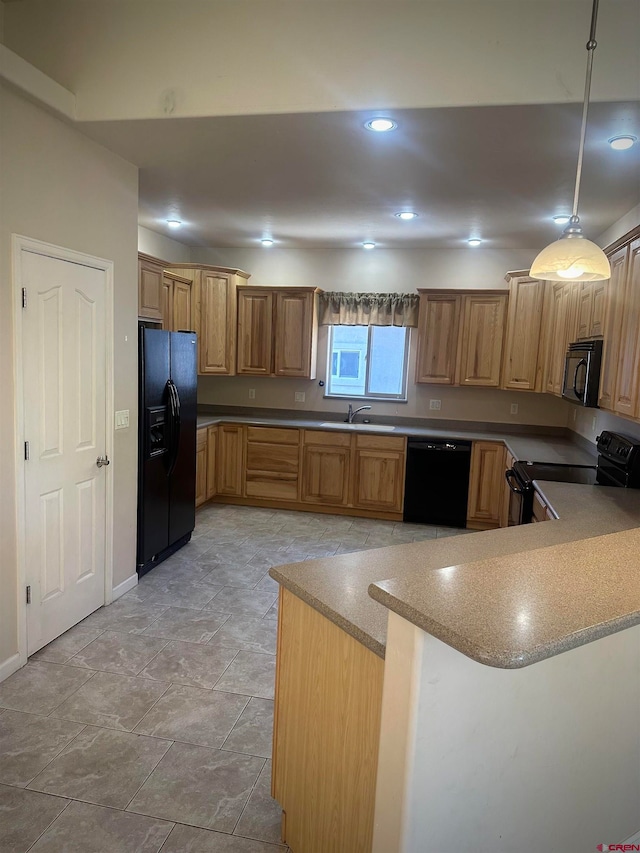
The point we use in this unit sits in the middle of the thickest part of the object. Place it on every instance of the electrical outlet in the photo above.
(300, 396)
(122, 419)
(435, 404)
(575, 414)
(593, 424)
(252, 393)
(514, 408)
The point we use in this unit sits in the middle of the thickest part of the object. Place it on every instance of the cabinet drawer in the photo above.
(280, 458)
(284, 487)
(201, 438)
(273, 435)
(329, 438)
(380, 442)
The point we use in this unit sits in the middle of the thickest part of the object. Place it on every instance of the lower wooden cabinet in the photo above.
(212, 460)
(201, 466)
(486, 485)
(379, 472)
(229, 461)
(325, 473)
(327, 714)
(272, 463)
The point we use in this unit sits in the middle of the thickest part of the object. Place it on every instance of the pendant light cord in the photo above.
(591, 46)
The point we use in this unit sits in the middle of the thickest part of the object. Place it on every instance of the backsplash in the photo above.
(590, 422)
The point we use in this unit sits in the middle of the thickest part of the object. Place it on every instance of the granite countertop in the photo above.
(500, 560)
(531, 447)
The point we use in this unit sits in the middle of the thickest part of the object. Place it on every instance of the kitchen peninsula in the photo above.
(536, 745)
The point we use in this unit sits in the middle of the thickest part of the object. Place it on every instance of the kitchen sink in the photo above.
(359, 427)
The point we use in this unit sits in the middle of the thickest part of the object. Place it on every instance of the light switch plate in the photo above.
(435, 404)
(122, 419)
(514, 408)
(252, 393)
(300, 396)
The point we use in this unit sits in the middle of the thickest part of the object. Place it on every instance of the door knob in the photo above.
(102, 460)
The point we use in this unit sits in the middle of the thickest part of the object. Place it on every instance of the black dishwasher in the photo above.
(437, 482)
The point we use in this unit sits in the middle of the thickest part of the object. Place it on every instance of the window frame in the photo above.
(395, 398)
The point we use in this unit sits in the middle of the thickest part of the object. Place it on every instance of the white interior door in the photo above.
(64, 390)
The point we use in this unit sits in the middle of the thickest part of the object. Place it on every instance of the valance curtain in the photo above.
(368, 309)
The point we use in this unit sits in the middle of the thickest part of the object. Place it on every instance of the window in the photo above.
(368, 361)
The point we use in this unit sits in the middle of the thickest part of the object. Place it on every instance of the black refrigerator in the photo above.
(166, 444)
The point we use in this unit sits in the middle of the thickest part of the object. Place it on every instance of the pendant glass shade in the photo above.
(571, 259)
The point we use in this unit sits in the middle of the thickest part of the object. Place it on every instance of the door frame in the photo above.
(20, 244)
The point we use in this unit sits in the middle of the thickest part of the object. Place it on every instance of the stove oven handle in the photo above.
(509, 476)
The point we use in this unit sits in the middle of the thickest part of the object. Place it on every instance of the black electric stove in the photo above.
(618, 465)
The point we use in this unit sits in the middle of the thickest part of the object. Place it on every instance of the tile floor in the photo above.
(147, 727)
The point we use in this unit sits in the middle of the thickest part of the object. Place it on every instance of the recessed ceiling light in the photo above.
(381, 125)
(406, 215)
(621, 143)
(174, 223)
(266, 241)
(474, 241)
(368, 245)
(561, 218)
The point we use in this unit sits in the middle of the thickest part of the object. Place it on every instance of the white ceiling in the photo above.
(322, 181)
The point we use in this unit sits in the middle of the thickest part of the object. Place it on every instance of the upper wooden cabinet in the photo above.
(214, 314)
(619, 261)
(255, 318)
(523, 364)
(627, 398)
(561, 313)
(438, 325)
(277, 331)
(482, 335)
(150, 291)
(460, 335)
(591, 309)
(176, 303)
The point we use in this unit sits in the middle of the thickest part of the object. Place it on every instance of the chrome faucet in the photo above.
(351, 414)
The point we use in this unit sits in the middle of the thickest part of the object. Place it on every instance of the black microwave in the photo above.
(581, 383)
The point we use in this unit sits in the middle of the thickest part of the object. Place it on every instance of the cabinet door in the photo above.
(216, 324)
(438, 325)
(598, 308)
(201, 466)
(563, 322)
(613, 327)
(505, 503)
(486, 483)
(626, 398)
(167, 304)
(295, 335)
(379, 472)
(229, 462)
(524, 322)
(255, 317)
(212, 458)
(325, 475)
(585, 310)
(181, 305)
(483, 328)
(149, 291)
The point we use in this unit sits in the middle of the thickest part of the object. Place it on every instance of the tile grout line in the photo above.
(48, 827)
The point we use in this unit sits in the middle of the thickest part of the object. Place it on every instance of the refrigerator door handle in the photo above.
(174, 425)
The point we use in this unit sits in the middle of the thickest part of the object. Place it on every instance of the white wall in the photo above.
(475, 759)
(159, 246)
(59, 187)
(241, 57)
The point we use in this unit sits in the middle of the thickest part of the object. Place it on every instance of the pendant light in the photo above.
(573, 257)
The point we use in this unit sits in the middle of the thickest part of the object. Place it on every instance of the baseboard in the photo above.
(125, 586)
(9, 666)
